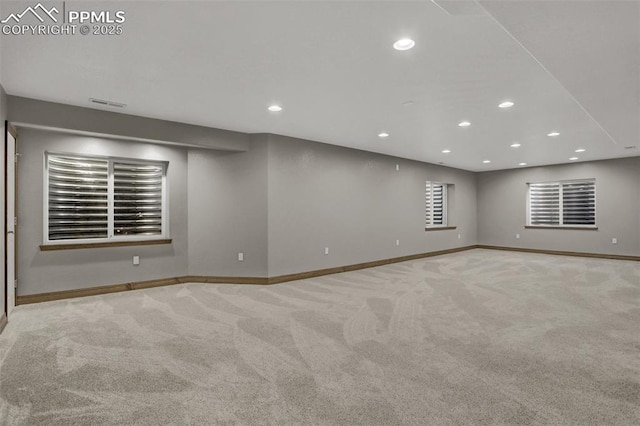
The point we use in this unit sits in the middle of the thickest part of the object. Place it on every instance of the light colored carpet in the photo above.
(480, 337)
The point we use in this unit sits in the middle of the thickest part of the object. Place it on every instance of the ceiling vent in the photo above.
(460, 7)
(107, 103)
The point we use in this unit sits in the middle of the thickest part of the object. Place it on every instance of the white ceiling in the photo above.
(569, 66)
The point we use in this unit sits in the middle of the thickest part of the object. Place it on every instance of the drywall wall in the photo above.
(356, 204)
(67, 117)
(1, 60)
(3, 117)
(41, 272)
(502, 204)
(227, 195)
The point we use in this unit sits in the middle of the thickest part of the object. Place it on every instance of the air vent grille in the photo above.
(107, 103)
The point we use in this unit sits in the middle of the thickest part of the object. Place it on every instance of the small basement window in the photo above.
(567, 204)
(436, 204)
(103, 199)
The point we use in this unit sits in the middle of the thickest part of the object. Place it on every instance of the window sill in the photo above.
(575, 228)
(71, 246)
(439, 228)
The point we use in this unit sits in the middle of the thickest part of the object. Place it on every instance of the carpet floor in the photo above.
(479, 337)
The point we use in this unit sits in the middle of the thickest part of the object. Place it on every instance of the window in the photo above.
(436, 204)
(562, 204)
(98, 198)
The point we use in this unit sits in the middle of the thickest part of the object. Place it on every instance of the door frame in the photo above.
(9, 130)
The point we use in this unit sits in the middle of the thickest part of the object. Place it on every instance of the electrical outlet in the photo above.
(240, 257)
(326, 250)
(517, 236)
(136, 260)
(397, 167)
(397, 242)
(614, 241)
(459, 236)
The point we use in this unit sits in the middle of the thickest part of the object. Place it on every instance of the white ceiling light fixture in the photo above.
(515, 145)
(275, 108)
(506, 104)
(486, 161)
(383, 135)
(404, 44)
(580, 150)
(553, 134)
(464, 124)
(446, 151)
(522, 164)
(573, 158)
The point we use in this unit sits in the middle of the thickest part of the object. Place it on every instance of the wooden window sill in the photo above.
(440, 228)
(575, 228)
(50, 247)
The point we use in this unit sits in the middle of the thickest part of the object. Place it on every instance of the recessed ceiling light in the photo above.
(404, 44)
(486, 161)
(573, 158)
(383, 135)
(446, 151)
(522, 164)
(464, 124)
(515, 145)
(506, 104)
(553, 134)
(580, 150)
(275, 108)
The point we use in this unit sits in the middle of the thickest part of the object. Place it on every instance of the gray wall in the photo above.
(59, 116)
(3, 117)
(283, 200)
(41, 272)
(357, 204)
(502, 211)
(228, 211)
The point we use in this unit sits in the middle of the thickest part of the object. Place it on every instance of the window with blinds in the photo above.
(566, 203)
(436, 204)
(93, 198)
(137, 198)
(78, 197)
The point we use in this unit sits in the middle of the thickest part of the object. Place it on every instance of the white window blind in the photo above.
(567, 203)
(92, 198)
(78, 197)
(137, 198)
(436, 204)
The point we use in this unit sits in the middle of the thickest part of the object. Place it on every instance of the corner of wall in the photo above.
(269, 142)
(476, 176)
(228, 211)
(3, 117)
